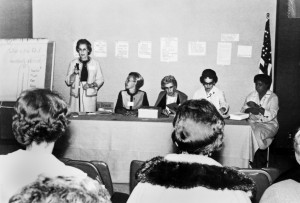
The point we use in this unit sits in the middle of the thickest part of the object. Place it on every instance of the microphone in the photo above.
(77, 66)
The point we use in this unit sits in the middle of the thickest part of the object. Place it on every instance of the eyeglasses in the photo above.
(208, 83)
(127, 80)
(168, 88)
(84, 49)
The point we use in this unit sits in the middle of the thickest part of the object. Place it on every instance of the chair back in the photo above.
(273, 172)
(134, 166)
(65, 160)
(116, 197)
(103, 170)
(98, 170)
(261, 178)
(86, 167)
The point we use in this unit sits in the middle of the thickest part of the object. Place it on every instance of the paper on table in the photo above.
(238, 116)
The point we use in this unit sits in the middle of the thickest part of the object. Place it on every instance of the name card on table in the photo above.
(148, 112)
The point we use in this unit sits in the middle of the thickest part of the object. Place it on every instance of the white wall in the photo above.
(133, 20)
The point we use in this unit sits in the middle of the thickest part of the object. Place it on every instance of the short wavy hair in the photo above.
(62, 189)
(204, 115)
(40, 117)
(138, 78)
(263, 78)
(296, 141)
(87, 43)
(209, 73)
(168, 79)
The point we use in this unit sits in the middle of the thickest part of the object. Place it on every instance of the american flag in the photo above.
(265, 63)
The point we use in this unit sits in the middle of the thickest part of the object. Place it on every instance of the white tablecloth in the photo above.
(119, 142)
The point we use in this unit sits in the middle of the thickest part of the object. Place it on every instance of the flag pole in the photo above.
(272, 75)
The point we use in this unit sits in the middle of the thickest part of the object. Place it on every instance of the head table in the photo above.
(118, 140)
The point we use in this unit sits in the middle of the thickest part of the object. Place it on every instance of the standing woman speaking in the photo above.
(85, 78)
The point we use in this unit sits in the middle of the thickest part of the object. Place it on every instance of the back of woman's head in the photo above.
(297, 145)
(198, 127)
(62, 189)
(40, 117)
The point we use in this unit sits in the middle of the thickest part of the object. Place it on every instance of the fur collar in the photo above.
(183, 175)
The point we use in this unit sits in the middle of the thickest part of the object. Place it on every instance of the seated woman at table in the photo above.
(170, 95)
(190, 176)
(39, 121)
(210, 92)
(132, 98)
(262, 105)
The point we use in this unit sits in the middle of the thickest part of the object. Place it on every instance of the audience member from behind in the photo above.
(62, 189)
(287, 186)
(169, 95)
(132, 98)
(294, 172)
(262, 105)
(192, 176)
(210, 92)
(39, 121)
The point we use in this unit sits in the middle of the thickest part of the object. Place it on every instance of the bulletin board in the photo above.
(25, 64)
(237, 24)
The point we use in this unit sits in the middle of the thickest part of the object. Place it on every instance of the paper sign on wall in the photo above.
(145, 49)
(224, 53)
(169, 49)
(244, 51)
(197, 48)
(100, 48)
(122, 49)
(230, 37)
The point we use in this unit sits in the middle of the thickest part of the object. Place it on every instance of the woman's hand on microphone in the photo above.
(85, 86)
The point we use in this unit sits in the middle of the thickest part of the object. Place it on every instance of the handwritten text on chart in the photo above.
(25, 66)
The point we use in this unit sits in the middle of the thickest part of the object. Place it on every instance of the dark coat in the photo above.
(162, 99)
(184, 175)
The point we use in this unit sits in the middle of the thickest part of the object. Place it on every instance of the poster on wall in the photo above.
(122, 49)
(169, 49)
(230, 37)
(244, 51)
(100, 48)
(145, 49)
(224, 53)
(196, 48)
